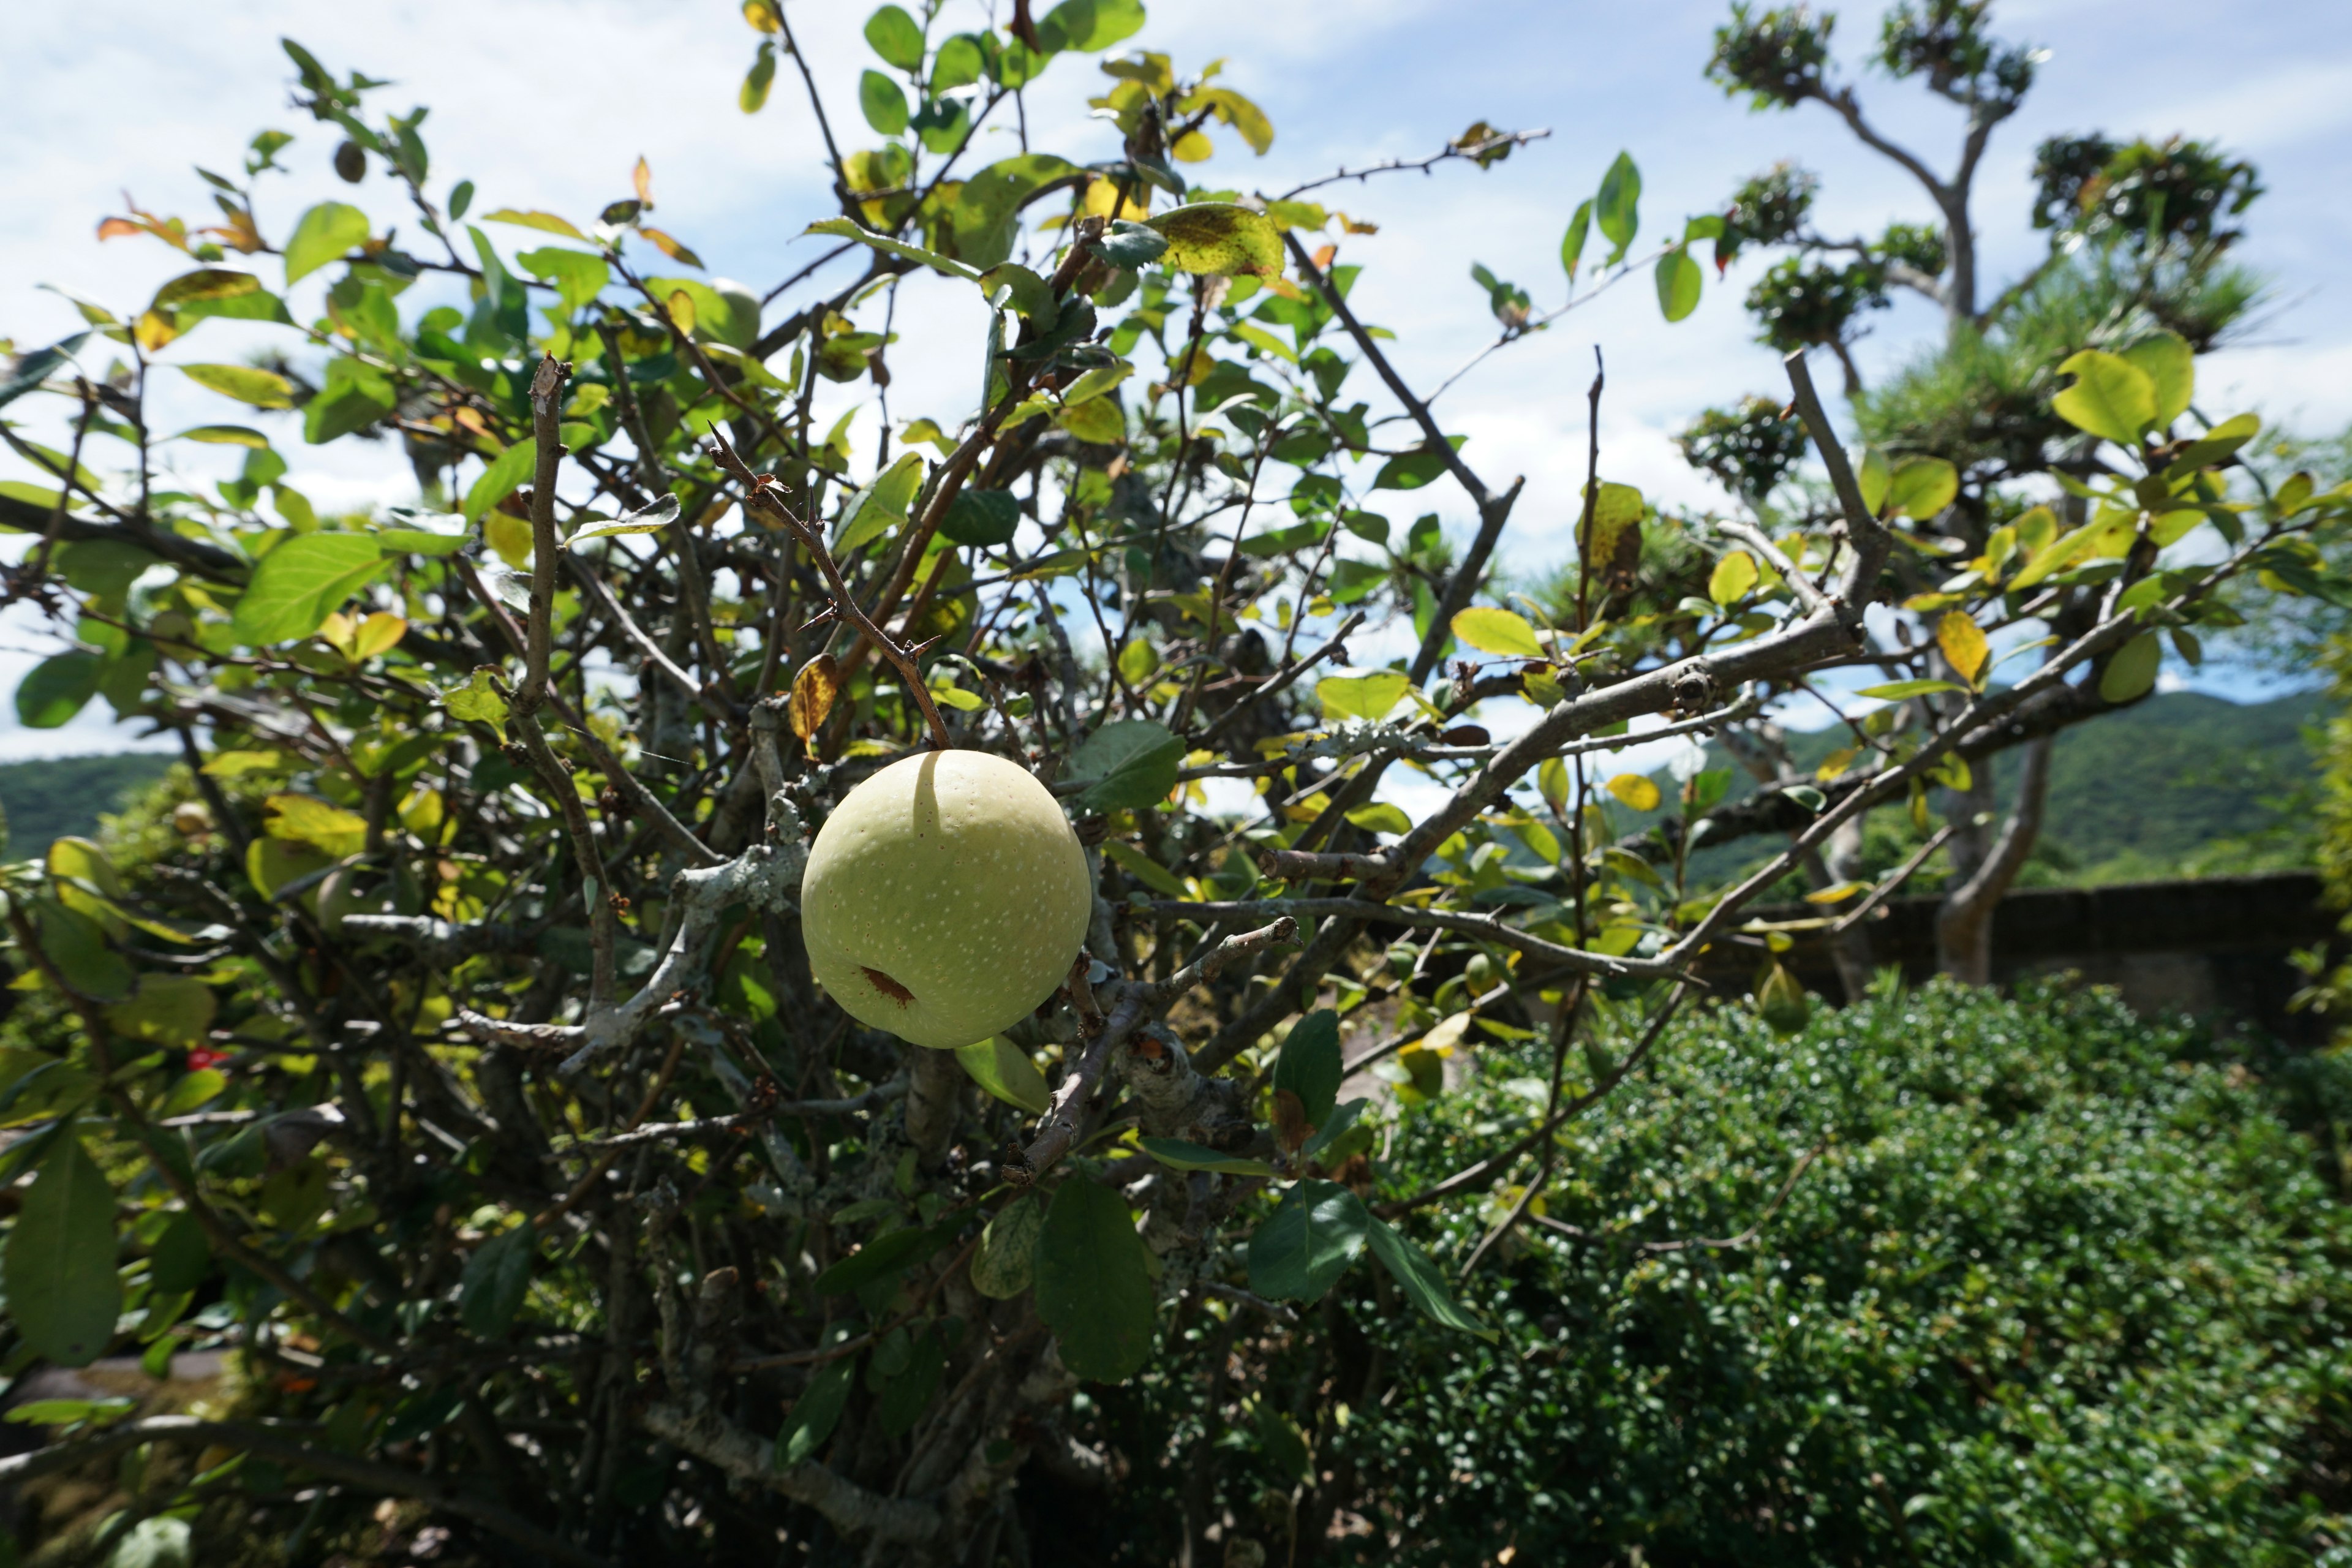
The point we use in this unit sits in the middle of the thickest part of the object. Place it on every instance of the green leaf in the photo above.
(1616, 207)
(1129, 762)
(478, 701)
(880, 506)
(504, 474)
(896, 37)
(356, 395)
(174, 1010)
(647, 520)
(1871, 478)
(1094, 1283)
(982, 518)
(196, 1090)
(1005, 1071)
(415, 531)
(1178, 1155)
(1090, 26)
(324, 233)
(57, 688)
(1382, 817)
(844, 228)
(1006, 1262)
(883, 101)
(1897, 691)
(76, 946)
(1130, 245)
(878, 1257)
(497, 1279)
(578, 277)
(1680, 283)
(816, 1412)
(2111, 398)
(1010, 283)
(182, 1257)
(753, 95)
(959, 61)
(2132, 672)
(63, 1292)
(299, 583)
(1309, 1066)
(1491, 630)
(1921, 486)
(2170, 366)
(35, 1087)
(1423, 1284)
(1220, 238)
(1571, 244)
(1368, 697)
(35, 366)
(1409, 470)
(1144, 869)
(1304, 1247)
(247, 383)
(904, 1396)
(1342, 1118)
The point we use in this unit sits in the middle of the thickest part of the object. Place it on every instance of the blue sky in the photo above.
(547, 103)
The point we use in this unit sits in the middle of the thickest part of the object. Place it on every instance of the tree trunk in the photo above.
(1983, 874)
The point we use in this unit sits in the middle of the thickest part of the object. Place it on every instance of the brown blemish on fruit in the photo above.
(889, 988)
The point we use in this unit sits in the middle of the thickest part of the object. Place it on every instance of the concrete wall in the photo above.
(2216, 947)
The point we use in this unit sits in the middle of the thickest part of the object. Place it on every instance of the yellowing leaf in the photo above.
(1492, 630)
(1615, 509)
(1963, 642)
(305, 820)
(1221, 238)
(814, 691)
(1634, 790)
(546, 222)
(1733, 576)
(1551, 779)
(1836, 895)
(671, 248)
(247, 383)
(510, 536)
(378, 634)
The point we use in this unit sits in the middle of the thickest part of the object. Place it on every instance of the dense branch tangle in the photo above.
(484, 892)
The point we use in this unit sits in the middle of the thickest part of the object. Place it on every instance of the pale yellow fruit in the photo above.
(945, 898)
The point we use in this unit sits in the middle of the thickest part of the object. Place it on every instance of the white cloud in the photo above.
(547, 103)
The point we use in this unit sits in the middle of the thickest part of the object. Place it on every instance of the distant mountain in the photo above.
(2183, 785)
(61, 796)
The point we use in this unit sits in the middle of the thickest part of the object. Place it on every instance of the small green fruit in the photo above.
(945, 898)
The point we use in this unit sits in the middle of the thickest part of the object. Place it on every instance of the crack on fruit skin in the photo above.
(887, 986)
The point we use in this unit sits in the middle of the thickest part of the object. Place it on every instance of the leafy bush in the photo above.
(2050, 1290)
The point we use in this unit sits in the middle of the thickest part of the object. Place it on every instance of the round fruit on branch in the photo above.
(945, 898)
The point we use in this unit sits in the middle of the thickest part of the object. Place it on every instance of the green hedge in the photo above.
(2053, 1292)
